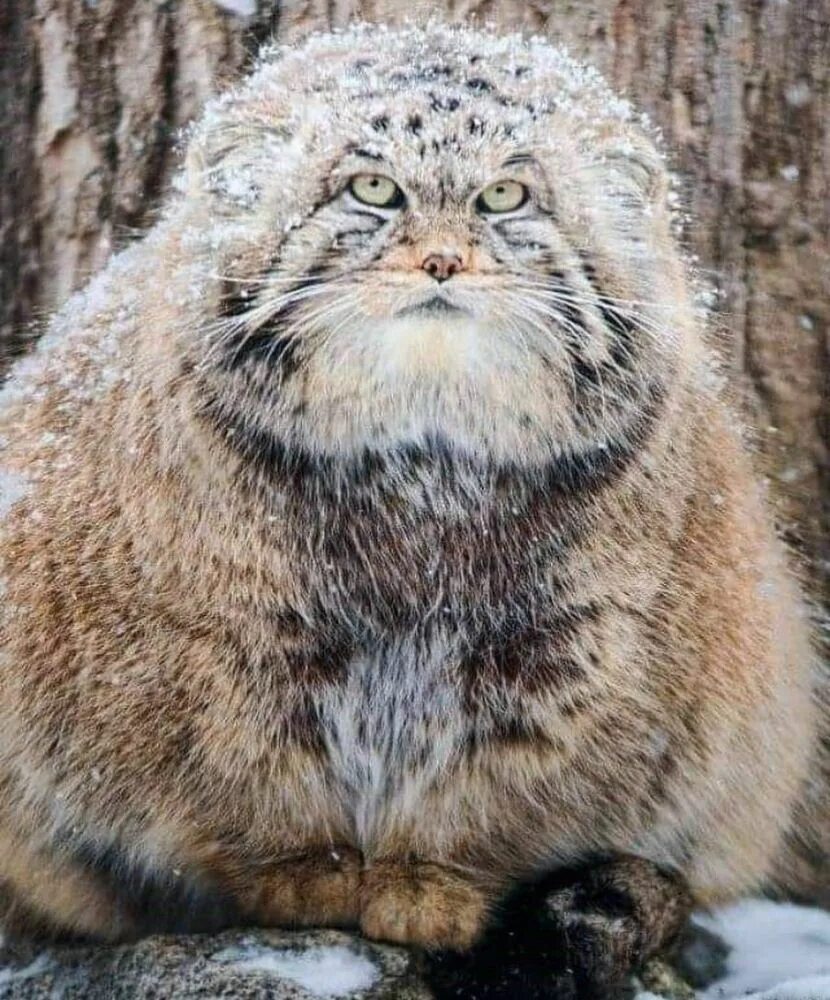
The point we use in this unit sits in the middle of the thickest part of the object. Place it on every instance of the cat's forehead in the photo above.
(439, 107)
(439, 104)
(438, 83)
(368, 59)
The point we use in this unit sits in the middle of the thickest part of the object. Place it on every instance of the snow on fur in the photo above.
(284, 108)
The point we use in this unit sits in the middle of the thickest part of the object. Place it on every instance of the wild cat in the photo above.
(376, 536)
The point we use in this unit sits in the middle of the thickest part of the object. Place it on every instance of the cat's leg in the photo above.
(423, 904)
(577, 935)
(107, 895)
(46, 894)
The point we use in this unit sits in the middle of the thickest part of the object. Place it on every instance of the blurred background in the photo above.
(94, 92)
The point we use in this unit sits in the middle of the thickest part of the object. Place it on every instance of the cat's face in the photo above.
(439, 236)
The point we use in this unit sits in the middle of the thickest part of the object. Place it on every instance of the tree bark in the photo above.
(94, 92)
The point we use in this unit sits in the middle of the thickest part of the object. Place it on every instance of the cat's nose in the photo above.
(442, 266)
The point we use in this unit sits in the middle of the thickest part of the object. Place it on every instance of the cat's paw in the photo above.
(612, 918)
(320, 889)
(577, 935)
(423, 905)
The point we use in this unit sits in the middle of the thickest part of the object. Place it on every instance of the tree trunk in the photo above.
(93, 93)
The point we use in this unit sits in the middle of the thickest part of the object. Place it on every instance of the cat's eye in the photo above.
(503, 196)
(377, 190)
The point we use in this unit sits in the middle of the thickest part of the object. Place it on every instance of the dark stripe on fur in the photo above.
(519, 159)
(532, 658)
(157, 903)
(366, 154)
(576, 328)
(342, 234)
(519, 242)
(379, 219)
(269, 343)
(515, 733)
(479, 85)
(238, 297)
(263, 345)
(623, 327)
(567, 475)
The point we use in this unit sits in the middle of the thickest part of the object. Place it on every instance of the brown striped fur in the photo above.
(315, 614)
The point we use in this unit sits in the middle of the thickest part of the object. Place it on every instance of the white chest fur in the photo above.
(392, 732)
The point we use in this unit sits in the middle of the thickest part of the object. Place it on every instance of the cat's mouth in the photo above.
(436, 306)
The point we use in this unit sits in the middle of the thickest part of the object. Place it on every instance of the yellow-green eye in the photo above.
(503, 196)
(377, 190)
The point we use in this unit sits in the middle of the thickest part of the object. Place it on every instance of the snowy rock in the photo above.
(754, 950)
(245, 965)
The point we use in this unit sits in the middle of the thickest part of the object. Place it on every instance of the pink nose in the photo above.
(442, 265)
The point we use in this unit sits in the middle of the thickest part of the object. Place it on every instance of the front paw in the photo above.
(613, 917)
(577, 935)
(321, 888)
(421, 904)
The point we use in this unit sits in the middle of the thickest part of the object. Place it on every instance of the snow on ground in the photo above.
(779, 951)
(333, 971)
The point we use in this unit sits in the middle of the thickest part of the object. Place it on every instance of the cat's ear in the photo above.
(635, 170)
(230, 157)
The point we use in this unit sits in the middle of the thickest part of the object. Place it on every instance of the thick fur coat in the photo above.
(339, 591)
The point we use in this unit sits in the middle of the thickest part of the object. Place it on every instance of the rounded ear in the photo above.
(636, 170)
(228, 158)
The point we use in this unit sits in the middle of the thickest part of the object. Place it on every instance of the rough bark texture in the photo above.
(92, 95)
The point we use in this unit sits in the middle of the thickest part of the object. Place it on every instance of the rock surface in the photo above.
(244, 965)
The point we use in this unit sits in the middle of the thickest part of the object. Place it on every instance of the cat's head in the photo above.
(431, 236)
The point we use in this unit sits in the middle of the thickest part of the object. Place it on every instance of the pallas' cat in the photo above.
(375, 536)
